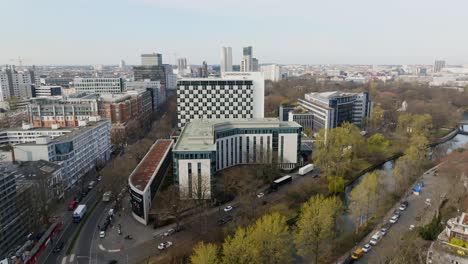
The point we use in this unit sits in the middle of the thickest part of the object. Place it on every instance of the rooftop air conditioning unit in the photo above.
(55, 126)
(82, 123)
(27, 126)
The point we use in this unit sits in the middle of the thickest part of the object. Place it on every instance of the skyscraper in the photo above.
(438, 65)
(226, 59)
(204, 70)
(181, 64)
(247, 60)
(153, 59)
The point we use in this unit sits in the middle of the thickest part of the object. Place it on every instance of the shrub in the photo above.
(431, 230)
(457, 242)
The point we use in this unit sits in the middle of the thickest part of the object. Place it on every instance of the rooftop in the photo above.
(150, 164)
(34, 170)
(70, 132)
(198, 135)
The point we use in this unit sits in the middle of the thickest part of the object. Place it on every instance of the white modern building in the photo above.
(332, 109)
(77, 149)
(438, 66)
(207, 146)
(99, 85)
(235, 95)
(226, 59)
(271, 72)
(147, 177)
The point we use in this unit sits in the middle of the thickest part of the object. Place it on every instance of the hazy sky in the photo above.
(281, 31)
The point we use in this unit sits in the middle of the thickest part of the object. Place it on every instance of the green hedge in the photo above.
(458, 242)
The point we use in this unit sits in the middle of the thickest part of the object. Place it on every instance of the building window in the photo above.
(247, 150)
(282, 149)
(201, 192)
(240, 149)
(261, 149)
(232, 151)
(190, 179)
(235, 150)
(255, 149)
(222, 154)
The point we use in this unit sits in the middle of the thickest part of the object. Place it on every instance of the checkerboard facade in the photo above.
(213, 99)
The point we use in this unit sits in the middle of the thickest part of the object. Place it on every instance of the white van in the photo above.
(376, 238)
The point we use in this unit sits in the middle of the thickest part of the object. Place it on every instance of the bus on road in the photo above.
(281, 181)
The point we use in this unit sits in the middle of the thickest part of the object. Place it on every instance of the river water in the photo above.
(387, 169)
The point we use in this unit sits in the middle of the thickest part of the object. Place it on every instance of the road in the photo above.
(68, 229)
(416, 214)
(91, 249)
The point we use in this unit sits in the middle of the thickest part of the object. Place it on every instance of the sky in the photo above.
(88, 32)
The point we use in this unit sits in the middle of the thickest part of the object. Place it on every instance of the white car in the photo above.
(102, 234)
(383, 231)
(394, 219)
(169, 232)
(228, 208)
(402, 207)
(366, 248)
(164, 245)
(260, 195)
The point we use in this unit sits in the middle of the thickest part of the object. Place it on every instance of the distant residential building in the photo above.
(332, 109)
(153, 73)
(154, 87)
(302, 117)
(181, 65)
(153, 59)
(458, 227)
(204, 70)
(171, 79)
(147, 177)
(122, 64)
(14, 83)
(255, 65)
(46, 112)
(122, 109)
(235, 95)
(247, 60)
(56, 81)
(99, 85)
(438, 65)
(207, 146)
(271, 72)
(76, 150)
(46, 91)
(226, 59)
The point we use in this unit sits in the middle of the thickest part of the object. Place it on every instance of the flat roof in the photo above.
(70, 132)
(145, 170)
(198, 135)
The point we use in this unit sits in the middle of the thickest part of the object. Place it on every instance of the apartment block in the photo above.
(99, 85)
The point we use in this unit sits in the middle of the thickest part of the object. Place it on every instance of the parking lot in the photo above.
(417, 213)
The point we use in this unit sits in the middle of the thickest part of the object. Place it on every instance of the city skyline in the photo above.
(284, 34)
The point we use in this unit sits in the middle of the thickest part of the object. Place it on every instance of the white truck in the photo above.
(79, 213)
(306, 169)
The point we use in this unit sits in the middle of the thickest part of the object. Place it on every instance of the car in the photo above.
(164, 245)
(99, 178)
(383, 231)
(221, 222)
(366, 248)
(394, 219)
(349, 260)
(357, 254)
(411, 227)
(102, 234)
(113, 261)
(260, 195)
(405, 203)
(402, 207)
(397, 212)
(58, 247)
(228, 208)
(169, 232)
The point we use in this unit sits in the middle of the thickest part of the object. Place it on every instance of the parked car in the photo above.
(113, 261)
(228, 208)
(383, 231)
(169, 232)
(58, 247)
(102, 234)
(366, 248)
(260, 195)
(394, 219)
(357, 254)
(402, 207)
(164, 245)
